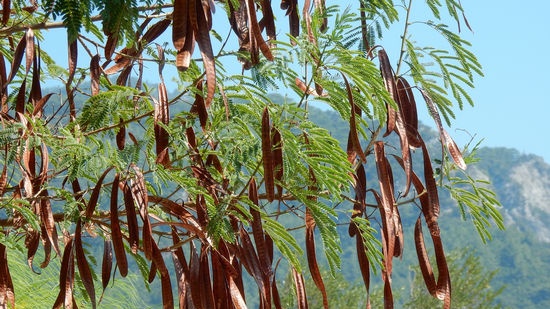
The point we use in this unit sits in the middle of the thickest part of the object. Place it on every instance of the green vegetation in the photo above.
(34, 289)
(475, 287)
(217, 182)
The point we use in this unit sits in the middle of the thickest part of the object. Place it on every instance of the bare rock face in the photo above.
(522, 184)
(530, 180)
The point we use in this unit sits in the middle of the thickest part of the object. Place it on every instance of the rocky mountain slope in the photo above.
(522, 183)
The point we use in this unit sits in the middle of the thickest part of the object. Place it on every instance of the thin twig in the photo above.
(404, 38)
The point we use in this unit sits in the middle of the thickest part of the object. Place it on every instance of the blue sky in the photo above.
(511, 41)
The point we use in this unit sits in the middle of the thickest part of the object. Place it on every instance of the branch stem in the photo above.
(404, 38)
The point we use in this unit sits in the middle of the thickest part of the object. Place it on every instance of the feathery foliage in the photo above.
(204, 165)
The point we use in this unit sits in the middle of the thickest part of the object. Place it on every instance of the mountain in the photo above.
(522, 183)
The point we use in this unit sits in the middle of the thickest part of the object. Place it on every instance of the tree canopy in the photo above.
(204, 168)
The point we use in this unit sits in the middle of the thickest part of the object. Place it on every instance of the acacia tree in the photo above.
(217, 175)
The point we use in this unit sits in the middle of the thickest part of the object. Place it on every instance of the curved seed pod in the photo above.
(6, 11)
(387, 73)
(182, 275)
(116, 232)
(39, 106)
(443, 279)
(388, 243)
(423, 259)
(263, 260)
(47, 247)
(444, 136)
(95, 194)
(131, 217)
(255, 32)
(199, 106)
(20, 100)
(387, 202)
(443, 290)
(354, 146)
(258, 231)
(122, 79)
(156, 30)
(83, 266)
(363, 262)
(95, 71)
(7, 295)
(166, 286)
(32, 240)
(236, 296)
(161, 117)
(107, 263)
(275, 294)
(306, 16)
(309, 90)
(267, 156)
(141, 199)
(277, 144)
(238, 18)
(35, 94)
(147, 238)
(44, 158)
(291, 7)
(427, 208)
(431, 185)
(213, 160)
(161, 61)
(139, 191)
(360, 188)
(312, 258)
(195, 275)
(454, 151)
(47, 220)
(183, 57)
(405, 151)
(179, 28)
(202, 36)
(121, 135)
(17, 58)
(268, 20)
(205, 281)
(300, 287)
(152, 273)
(110, 46)
(3, 84)
(29, 50)
(389, 82)
(66, 279)
(78, 193)
(398, 233)
(208, 7)
(250, 261)
(73, 58)
(220, 280)
(388, 294)
(407, 108)
(123, 61)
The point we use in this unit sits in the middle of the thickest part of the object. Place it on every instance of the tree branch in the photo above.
(7, 31)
